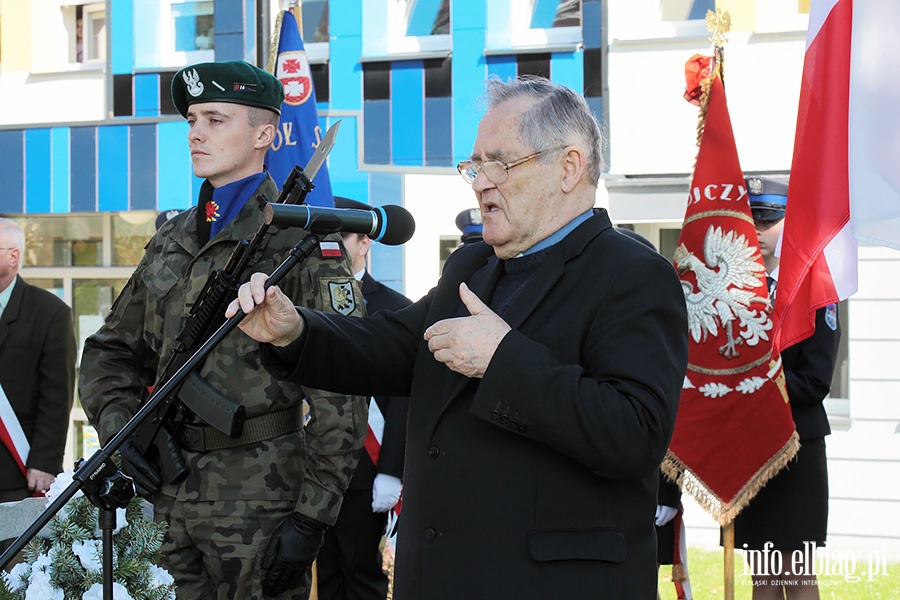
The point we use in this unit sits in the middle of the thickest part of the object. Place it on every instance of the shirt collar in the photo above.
(6, 294)
(561, 233)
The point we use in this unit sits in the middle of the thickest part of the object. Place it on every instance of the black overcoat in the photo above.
(538, 480)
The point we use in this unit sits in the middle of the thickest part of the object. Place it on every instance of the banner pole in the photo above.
(728, 542)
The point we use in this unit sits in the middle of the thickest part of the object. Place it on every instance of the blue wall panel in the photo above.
(37, 171)
(387, 261)
(12, 171)
(377, 132)
(346, 73)
(439, 132)
(175, 172)
(469, 72)
(112, 168)
(59, 160)
(143, 167)
(591, 28)
(407, 108)
(343, 162)
(121, 17)
(230, 29)
(503, 66)
(83, 141)
(146, 95)
(567, 68)
(350, 21)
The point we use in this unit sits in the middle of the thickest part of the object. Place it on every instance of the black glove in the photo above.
(147, 482)
(290, 552)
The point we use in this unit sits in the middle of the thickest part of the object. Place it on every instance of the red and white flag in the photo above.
(845, 184)
(11, 434)
(734, 430)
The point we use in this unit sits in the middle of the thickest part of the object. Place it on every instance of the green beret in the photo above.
(229, 81)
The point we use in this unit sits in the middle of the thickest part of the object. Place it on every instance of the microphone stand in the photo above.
(107, 487)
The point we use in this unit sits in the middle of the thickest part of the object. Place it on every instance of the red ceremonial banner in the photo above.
(734, 429)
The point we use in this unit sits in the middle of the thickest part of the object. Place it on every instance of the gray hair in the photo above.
(11, 230)
(558, 117)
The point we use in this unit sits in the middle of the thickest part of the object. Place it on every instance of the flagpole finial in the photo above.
(718, 24)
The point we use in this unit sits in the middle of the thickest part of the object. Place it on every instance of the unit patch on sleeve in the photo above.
(341, 296)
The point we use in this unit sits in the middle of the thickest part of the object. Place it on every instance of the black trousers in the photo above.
(349, 564)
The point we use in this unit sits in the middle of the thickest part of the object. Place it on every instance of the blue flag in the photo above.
(299, 131)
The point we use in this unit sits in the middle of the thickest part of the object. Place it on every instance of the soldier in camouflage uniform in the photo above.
(249, 518)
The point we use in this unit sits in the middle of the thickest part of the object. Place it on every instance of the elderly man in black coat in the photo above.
(544, 372)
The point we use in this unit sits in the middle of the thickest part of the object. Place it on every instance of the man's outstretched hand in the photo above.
(271, 316)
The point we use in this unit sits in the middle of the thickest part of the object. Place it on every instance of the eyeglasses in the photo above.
(496, 171)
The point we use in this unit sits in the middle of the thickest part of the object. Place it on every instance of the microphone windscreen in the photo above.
(399, 227)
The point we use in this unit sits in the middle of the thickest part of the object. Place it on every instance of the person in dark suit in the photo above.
(349, 565)
(792, 509)
(37, 374)
(544, 372)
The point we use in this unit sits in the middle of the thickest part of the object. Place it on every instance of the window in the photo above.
(315, 21)
(406, 27)
(555, 13)
(130, 233)
(446, 245)
(85, 26)
(192, 25)
(94, 31)
(428, 17)
(173, 33)
(315, 30)
(70, 241)
(546, 24)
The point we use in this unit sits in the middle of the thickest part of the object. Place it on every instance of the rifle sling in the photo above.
(199, 438)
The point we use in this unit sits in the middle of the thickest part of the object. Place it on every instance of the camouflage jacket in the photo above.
(130, 351)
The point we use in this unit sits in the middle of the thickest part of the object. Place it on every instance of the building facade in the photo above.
(91, 148)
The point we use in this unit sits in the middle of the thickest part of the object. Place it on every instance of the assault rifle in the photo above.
(157, 436)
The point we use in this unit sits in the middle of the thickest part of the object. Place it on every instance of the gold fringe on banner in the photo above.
(725, 512)
(273, 43)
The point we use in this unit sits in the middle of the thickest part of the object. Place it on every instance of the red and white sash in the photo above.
(11, 433)
(376, 431)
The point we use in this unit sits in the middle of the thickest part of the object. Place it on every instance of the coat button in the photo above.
(434, 452)
(495, 414)
(430, 534)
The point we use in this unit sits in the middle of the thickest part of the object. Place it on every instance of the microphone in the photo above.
(390, 225)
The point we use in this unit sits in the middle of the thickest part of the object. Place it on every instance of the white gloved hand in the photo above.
(664, 514)
(385, 492)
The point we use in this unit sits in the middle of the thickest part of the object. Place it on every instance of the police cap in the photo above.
(469, 223)
(233, 81)
(768, 198)
(341, 202)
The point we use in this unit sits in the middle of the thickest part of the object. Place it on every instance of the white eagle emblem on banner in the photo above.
(726, 278)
